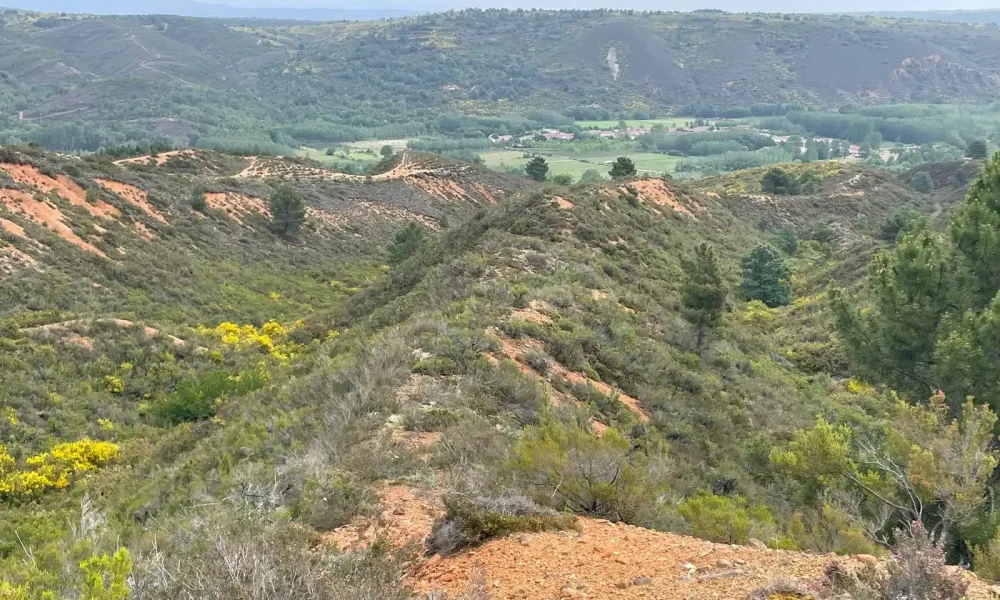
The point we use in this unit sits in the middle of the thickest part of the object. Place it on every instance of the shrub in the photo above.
(986, 559)
(724, 518)
(196, 400)
(917, 570)
(780, 182)
(331, 499)
(568, 467)
(469, 522)
(977, 149)
(922, 182)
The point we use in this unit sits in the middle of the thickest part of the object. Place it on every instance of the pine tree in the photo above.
(934, 319)
(406, 243)
(288, 212)
(766, 277)
(622, 168)
(977, 149)
(704, 292)
(537, 169)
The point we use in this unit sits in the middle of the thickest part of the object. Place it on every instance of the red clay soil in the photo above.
(606, 560)
(440, 187)
(656, 191)
(484, 193)
(403, 518)
(63, 186)
(46, 215)
(564, 203)
(132, 195)
(13, 228)
(237, 205)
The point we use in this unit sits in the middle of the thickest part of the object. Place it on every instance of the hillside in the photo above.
(211, 82)
(475, 401)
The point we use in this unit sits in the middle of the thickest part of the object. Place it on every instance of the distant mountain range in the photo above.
(190, 8)
(388, 9)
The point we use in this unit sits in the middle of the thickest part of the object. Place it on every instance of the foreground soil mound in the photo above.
(614, 560)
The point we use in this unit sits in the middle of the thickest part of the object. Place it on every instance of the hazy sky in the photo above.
(732, 5)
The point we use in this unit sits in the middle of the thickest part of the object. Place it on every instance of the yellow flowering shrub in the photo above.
(53, 469)
(859, 387)
(271, 338)
(114, 384)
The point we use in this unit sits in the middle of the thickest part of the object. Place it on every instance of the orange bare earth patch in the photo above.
(604, 561)
(438, 186)
(404, 518)
(658, 192)
(485, 194)
(132, 195)
(63, 186)
(237, 205)
(46, 215)
(12, 228)
(531, 315)
(564, 203)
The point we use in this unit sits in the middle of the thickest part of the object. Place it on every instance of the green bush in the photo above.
(196, 400)
(570, 468)
(469, 522)
(725, 519)
(330, 500)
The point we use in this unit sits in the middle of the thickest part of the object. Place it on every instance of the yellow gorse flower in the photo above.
(53, 469)
(271, 338)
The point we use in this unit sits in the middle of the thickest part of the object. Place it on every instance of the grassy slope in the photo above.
(605, 274)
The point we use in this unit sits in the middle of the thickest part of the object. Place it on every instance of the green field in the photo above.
(341, 156)
(647, 163)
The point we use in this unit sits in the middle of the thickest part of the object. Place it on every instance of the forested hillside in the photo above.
(238, 377)
(83, 82)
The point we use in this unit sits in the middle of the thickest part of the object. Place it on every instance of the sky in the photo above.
(731, 5)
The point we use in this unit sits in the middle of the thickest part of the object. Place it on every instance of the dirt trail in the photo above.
(160, 158)
(265, 167)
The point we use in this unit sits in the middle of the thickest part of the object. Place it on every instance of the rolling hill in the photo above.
(370, 403)
(206, 80)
